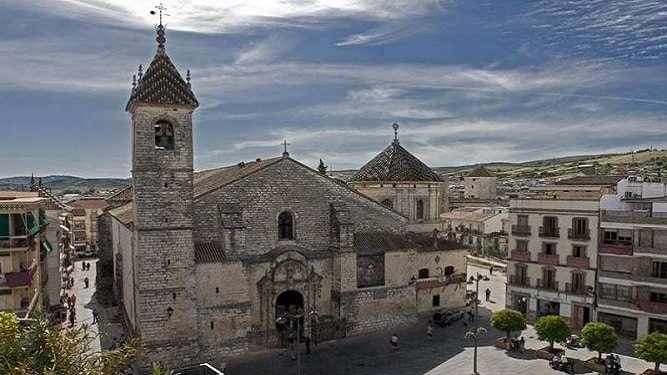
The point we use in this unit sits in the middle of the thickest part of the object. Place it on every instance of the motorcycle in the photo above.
(561, 364)
(572, 342)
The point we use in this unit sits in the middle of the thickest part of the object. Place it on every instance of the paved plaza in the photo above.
(448, 353)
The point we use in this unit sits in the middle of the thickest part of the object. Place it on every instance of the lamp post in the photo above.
(474, 335)
(477, 280)
(296, 318)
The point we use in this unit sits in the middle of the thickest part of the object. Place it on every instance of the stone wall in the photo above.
(289, 186)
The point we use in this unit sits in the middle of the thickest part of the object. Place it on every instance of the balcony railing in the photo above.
(543, 284)
(549, 232)
(581, 290)
(520, 256)
(578, 262)
(617, 248)
(579, 235)
(651, 307)
(519, 280)
(14, 243)
(550, 259)
(521, 230)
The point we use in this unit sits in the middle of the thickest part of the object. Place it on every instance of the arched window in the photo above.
(164, 135)
(285, 226)
(449, 270)
(420, 209)
(387, 203)
(423, 273)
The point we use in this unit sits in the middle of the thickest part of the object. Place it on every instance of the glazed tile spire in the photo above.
(161, 84)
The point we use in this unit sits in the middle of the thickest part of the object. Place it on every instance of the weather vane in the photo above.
(161, 8)
(395, 126)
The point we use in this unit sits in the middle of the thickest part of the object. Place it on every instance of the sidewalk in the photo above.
(488, 262)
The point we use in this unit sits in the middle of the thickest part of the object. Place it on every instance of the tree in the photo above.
(322, 168)
(43, 348)
(653, 348)
(599, 337)
(552, 328)
(508, 320)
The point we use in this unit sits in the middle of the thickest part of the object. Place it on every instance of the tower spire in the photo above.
(395, 126)
(161, 39)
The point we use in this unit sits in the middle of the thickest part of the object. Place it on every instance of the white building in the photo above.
(478, 226)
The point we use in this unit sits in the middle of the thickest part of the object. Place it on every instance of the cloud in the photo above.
(387, 33)
(267, 50)
(212, 16)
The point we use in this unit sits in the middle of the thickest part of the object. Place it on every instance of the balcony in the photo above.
(634, 217)
(520, 256)
(578, 262)
(521, 230)
(549, 259)
(651, 307)
(616, 248)
(16, 243)
(581, 290)
(579, 235)
(519, 280)
(553, 285)
(652, 250)
(549, 232)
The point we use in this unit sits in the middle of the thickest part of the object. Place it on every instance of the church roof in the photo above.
(212, 179)
(162, 84)
(380, 242)
(480, 172)
(396, 164)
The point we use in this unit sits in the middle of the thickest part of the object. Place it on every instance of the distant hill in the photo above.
(546, 167)
(63, 183)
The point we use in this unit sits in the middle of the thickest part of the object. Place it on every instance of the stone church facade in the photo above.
(206, 263)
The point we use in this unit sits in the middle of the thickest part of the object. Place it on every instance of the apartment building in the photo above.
(632, 276)
(86, 210)
(23, 252)
(553, 250)
(478, 227)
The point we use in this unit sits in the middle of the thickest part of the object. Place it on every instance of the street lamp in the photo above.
(474, 335)
(477, 280)
(284, 319)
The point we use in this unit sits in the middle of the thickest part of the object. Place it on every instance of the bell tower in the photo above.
(161, 106)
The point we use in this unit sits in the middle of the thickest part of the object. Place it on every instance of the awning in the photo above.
(47, 245)
(31, 223)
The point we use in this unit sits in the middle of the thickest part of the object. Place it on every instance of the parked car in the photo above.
(444, 318)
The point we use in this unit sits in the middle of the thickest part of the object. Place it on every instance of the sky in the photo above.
(469, 81)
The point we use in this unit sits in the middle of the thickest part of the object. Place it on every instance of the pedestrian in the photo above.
(94, 317)
(83, 266)
(470, 315)
(88, 266)
(429, 331)
(307, 341)
(71, 282)
(522, 344)
(73, 300)
(86, 282)
(488, 294)
(71, 319)
(491, 270)
(617, 363)
(394, 342)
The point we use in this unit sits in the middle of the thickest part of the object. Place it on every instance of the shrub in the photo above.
(552, 328)
(508, 320)
(599, 337)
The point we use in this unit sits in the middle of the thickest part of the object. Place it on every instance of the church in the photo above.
(219, 262)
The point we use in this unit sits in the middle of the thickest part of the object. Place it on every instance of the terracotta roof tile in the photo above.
(212, 179)
(380, 242)
(90, 203)
(124, 213)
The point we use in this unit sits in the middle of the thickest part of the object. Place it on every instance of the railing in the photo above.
(549, 232)
(553, 285)
(581, 290)
(520, 256)
(550, 259)
(519, 280)
(579, 235)
(617, 248)
(651, 307)
(14, 243)
(578, 262)
(521, 230)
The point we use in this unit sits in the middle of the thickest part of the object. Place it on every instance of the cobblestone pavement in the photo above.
(109, 325)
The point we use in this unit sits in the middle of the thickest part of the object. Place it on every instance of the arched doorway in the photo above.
(289, 316)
